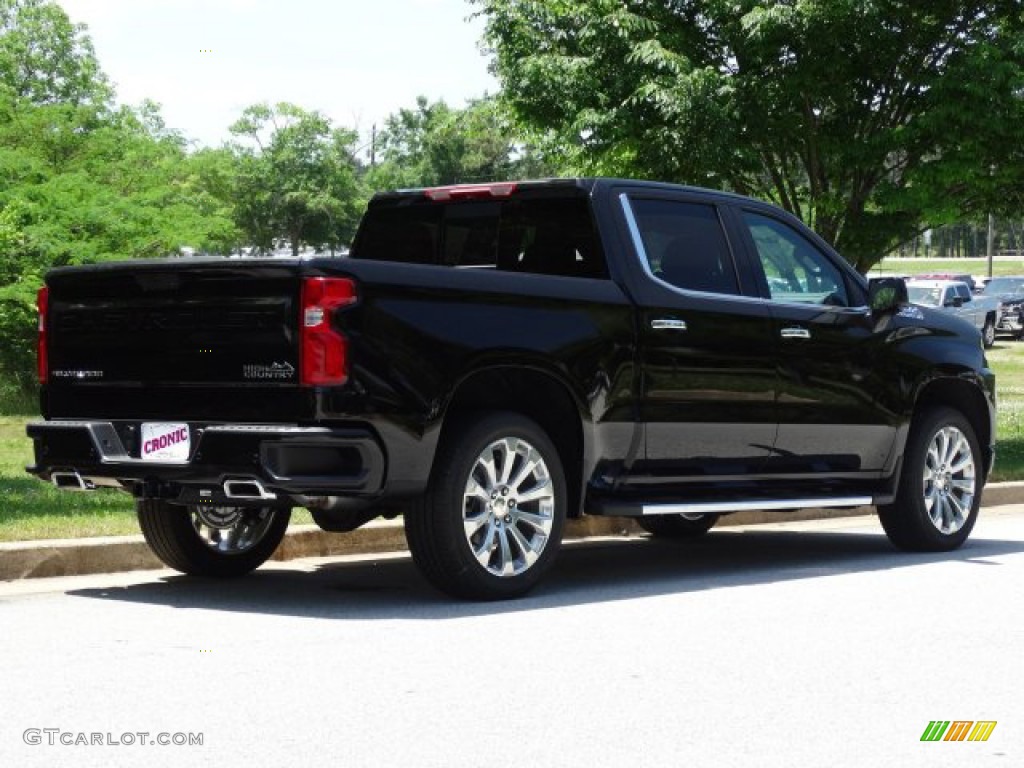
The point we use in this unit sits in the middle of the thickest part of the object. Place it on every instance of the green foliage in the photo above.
(435, 144)
(867, 120)
(17, 332)
(45, 59)
(296, 179)
(98, 187)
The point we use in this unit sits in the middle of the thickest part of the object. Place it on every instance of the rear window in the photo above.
(543, 235)
(685, 245)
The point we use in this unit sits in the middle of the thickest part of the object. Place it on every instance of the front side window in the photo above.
(685, 245)
(796, 270)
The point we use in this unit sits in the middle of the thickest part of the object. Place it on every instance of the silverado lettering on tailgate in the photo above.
(176, 319)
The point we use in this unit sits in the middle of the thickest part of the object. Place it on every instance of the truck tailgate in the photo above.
(156, 339)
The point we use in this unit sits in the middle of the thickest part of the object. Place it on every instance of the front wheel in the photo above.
(988, 333)
(939, 494)
(211, 541)
(490, 524)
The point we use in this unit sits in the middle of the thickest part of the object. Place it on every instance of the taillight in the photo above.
(323, 352)
(42, 356)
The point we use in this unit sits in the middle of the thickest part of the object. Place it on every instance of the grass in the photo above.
(14, 399)
(977, 267)
(31, 509)
(1006, 358)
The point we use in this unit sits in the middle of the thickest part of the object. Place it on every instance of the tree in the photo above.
(45, 59)
(113, 186)
(296, 179)
(435, 144)
(17, 305)
(868, 120)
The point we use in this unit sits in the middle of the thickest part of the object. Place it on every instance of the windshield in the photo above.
(1005, 285)
(920, 294)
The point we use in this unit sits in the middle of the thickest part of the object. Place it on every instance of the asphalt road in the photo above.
(805, 644)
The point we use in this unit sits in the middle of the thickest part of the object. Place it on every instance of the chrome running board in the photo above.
(612, 507)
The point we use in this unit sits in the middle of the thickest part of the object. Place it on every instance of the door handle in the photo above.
(668, 324)
(795, 333)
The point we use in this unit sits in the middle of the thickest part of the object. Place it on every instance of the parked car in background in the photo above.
(955, 297)
(1009, 292)
(962, 277)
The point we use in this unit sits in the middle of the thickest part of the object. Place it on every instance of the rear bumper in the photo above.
(285, 460)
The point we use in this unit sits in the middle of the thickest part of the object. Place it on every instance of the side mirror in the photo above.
(885, 294)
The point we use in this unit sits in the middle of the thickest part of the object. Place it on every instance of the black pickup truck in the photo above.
(492, 359)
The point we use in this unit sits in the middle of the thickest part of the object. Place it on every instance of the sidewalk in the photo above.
(76, 557)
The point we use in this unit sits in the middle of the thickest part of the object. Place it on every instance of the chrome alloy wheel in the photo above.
(508, 507)
(231, 530)
(988, 334)
(949, 480)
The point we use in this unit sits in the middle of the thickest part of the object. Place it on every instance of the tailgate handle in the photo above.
(668, 324)
(795, 333)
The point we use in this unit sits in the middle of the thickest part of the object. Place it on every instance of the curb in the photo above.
(113, 554)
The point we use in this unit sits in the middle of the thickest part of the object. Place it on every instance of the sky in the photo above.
(356, 61)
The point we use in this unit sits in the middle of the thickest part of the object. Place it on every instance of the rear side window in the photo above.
(685, 245)
(543, 235)
(552, 237)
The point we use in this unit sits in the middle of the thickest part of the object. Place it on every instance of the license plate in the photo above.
(166, 442)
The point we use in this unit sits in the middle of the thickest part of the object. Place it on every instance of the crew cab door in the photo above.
(830, 388)
(707, 388)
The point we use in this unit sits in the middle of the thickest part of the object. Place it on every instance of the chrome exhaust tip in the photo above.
(247, 489)
(71, 481)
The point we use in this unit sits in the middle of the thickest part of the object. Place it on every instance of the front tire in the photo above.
(940, 486)
(219, 542)
(677, 526)
(490, 524)
(988, 333)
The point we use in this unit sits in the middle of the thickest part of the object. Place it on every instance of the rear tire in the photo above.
(940, 486)
(490, 524)
(219, 542)
(677, 526)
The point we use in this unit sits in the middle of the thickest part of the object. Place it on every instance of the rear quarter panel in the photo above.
(418, 331)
